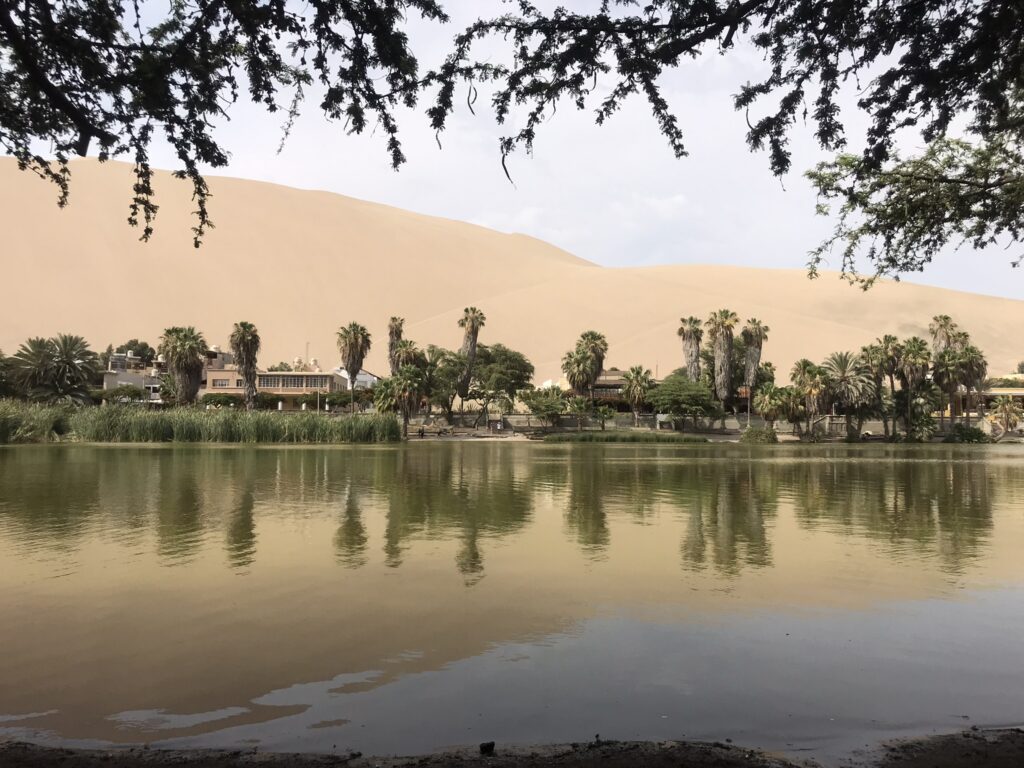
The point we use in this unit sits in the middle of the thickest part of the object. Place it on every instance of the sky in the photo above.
(614, 194)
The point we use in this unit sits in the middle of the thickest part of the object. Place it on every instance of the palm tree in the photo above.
(892, 356)
(579, 407)
(691, 332)
(636, 384)
(577, 366)
(245, 346)
(595, 345)
(793, 406)
(1007, 413)
(395, 326)
(406, 353)
(874, 359)
(30, 367)
(754, 334)
(811, 382)
(948, 374)
(975, 372)
(408, 385)
(184, 350)
(720, 326)
(913, 370)
(944, 333)
(769, 402)
(354, 345)
(471, 322)
(55, 370)
(850, 383)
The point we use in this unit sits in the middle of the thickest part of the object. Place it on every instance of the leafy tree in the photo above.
(682, 398)
(222, 400)
(1020, 367)
(184, 350)
(354, 345)
(442, 372)
(636, 384)
(395, 328)
(547, 403)
(282, 367)
(500, 375)
(691, 333)
(139, 349)
(77, 74)
(245, 346)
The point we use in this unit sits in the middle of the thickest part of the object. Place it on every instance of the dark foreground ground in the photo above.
(986, 749)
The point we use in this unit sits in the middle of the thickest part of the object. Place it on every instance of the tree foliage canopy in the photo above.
(76, 74)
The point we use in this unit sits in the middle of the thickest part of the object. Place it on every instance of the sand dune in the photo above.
(300, 263)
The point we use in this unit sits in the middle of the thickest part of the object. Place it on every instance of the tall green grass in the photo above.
(623, 437)
(26, 423)
(30, 423)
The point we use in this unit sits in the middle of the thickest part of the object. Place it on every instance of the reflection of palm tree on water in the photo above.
(240, 541)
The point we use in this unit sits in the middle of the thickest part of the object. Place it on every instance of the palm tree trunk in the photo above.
(748, 406)
(910, 405)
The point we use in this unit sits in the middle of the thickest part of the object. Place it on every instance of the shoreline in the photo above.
(980, 748)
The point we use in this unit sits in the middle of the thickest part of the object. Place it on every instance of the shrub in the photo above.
(31, 423)
(759, 436)
(961, 433)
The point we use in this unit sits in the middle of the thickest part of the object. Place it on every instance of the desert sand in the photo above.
(299, 264)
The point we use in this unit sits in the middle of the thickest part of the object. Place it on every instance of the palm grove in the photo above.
(901, 382)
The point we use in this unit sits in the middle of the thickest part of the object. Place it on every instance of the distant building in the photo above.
(289, 387)
(365, 379)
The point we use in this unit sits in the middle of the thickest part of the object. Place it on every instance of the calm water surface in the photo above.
(402, 600)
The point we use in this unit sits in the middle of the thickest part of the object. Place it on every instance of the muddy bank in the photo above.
(975, 749)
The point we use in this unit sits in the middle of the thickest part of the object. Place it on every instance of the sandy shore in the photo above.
(975, 748)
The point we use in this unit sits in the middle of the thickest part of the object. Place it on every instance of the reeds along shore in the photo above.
(27, 423)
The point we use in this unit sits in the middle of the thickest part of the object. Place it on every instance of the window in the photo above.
(219, 383)
(239, 383)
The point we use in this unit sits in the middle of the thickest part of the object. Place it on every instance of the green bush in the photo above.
(961, 433)
(22, 422)
(222, 399)
(125, 424)
(759, 436)
(623, 437)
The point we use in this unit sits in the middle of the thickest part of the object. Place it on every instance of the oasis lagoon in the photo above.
(402, 600)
